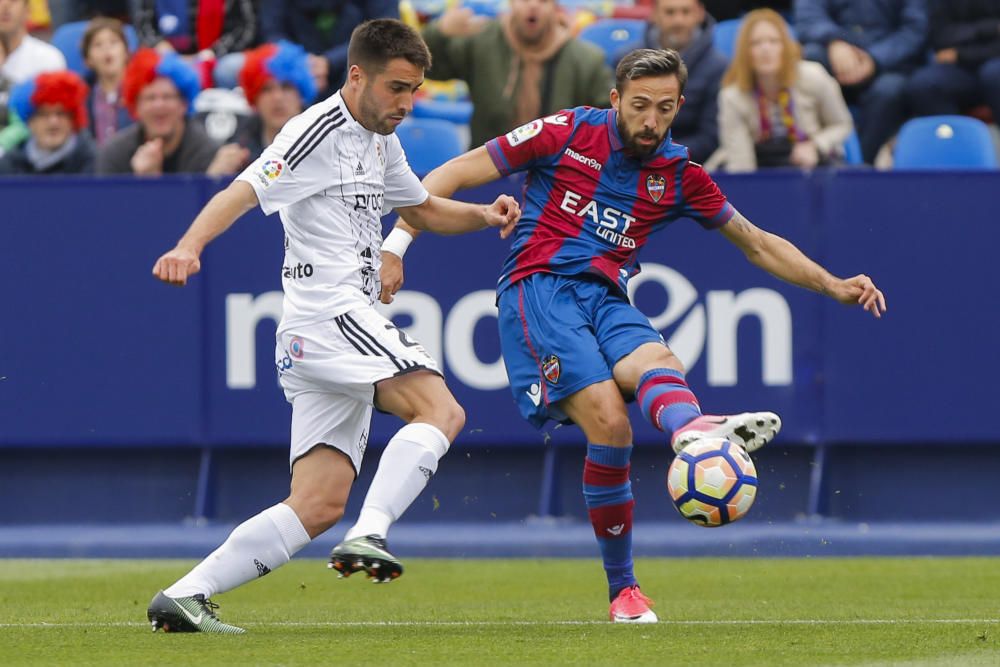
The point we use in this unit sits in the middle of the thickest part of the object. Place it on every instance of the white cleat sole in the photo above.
(749, 430)
(645, 617)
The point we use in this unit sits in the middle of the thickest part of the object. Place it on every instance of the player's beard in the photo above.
(371, 117)
(631, 144)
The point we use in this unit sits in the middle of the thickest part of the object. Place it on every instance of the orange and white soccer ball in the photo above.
(712, 482)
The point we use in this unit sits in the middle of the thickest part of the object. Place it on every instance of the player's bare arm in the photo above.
(465, 171)
(225, 208)
(782, 259)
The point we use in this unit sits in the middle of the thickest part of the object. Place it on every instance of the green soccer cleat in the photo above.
(366, 554)
(192, 614)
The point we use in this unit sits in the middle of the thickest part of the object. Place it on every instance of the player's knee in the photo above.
(613, 428)
(450, 418)
(319, 513)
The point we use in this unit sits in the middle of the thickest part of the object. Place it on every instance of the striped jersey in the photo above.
(330, 179)
(589, 206)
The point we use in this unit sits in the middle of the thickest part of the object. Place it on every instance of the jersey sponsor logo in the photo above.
(519, 135)
(297, 272)
(656, 185)
(283, 364)
(297, 347)
(583, 159)
(370, 201)
(269, 172)
(612, 225)
(551, 369)
(556, 119)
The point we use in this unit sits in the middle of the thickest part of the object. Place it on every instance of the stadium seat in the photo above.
(724, 36)
(69, 36)
(452, 111)
(934, 142)
(852, 150)
(429, 142)
(615, 37)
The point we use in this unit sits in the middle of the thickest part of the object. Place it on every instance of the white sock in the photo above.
(255, 547)
(407, 463)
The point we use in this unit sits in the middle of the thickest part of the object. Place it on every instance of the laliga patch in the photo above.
(521, 134)
(551, 369)
(270, 171)
(656, 185)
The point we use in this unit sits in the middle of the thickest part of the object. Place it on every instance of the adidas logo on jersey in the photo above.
(359, 170)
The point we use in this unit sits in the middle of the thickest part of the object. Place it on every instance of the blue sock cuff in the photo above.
(659, 372)
(609, 456)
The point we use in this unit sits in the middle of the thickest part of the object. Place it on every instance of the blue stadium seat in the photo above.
(724, 36)
(452, 111)
(615, 37)
(852, 150)
(69, 36)
(429, 142)
(934, 142)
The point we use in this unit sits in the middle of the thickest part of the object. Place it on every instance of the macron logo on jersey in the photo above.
(583, 159)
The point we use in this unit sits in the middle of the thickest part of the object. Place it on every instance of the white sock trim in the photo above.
(428, 435)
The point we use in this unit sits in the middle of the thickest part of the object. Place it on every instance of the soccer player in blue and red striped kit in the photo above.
(599, 182)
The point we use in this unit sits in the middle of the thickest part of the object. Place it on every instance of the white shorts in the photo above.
(328, 371)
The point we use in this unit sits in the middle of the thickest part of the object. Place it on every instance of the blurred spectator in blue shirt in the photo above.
(105, 51)
(685, 26)
(53, 105)
(965, 38)
(323, 28)
(870, 46)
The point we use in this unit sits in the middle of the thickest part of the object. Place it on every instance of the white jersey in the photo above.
(331, 179)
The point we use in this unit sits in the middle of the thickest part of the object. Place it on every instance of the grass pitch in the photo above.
(516, 612)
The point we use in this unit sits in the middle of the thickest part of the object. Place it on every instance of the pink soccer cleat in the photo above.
(750, 430)
(631, 606)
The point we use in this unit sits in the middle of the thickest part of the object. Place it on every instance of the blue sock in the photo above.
(608, 494)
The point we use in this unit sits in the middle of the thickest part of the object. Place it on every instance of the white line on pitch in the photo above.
(463, 624)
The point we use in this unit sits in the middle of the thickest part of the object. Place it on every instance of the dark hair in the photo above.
(650, 62)
(374, 43)
(96, 26)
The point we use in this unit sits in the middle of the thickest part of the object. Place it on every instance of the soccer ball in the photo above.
(712, 482)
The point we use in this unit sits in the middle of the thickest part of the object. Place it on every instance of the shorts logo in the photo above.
(270, 171)
(551, 369)
(655, 186)
(297, 347)
(521, 134)
(535, 394)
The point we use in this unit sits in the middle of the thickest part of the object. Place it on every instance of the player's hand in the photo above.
(177, 266)
(503, 213)
(860, 289)
(148, 158)
(391, 275)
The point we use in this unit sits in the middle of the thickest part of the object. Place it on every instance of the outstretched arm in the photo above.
(465, 171)
(783, 260)
(225, 208)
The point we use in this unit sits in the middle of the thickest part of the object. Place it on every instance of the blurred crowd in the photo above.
(202, 86)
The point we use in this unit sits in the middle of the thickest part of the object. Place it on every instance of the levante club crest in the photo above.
(655, 186)
(550, 367)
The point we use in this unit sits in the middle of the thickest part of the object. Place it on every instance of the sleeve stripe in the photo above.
(331, 115)
(318, 137)
(499, 159)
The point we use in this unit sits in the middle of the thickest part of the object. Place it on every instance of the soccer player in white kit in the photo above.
(330, 174)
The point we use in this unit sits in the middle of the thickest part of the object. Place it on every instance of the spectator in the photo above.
(105, 51)
(277, 83)
(23, 57)
(523, 65)
(775, 109)
(159, 91)
(965, 37)
(323, 28)
(723, 10)
(54, 107)
(685, 26)
(870, 46)
(212, 32)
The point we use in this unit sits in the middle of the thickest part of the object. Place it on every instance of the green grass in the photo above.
(485, 612)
